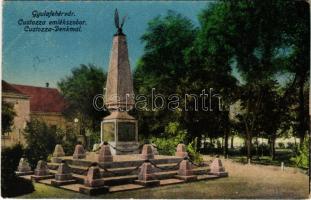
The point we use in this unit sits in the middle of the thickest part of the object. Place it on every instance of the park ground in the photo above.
(244, 181)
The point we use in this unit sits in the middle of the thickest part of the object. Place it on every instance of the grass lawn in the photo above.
(281, 155)
(243, 182)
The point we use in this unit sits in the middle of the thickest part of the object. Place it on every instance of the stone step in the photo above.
(116, 171)
(129, 178)
(116, 180)
(131, 186)
(170, 181)
(125, 187)
(121, 163)
(171, 174)
(116, 186)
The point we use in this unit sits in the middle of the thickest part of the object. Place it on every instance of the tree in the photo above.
(163, 66)
(272, 114)
(41, 140)
(7, 116)
(11, 185)
(298, 60)
(252, 36)
(79, 90)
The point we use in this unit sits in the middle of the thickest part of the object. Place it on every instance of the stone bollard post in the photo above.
(79, 152)
(58, 152)
(93, 183)
(41, 171)
(181, 150)
(185, 171)
(217, 168)
(282, 166)
(93, 177)
(23, 168)
(146, 176)
(63, 175)
(105, 153)
(147, 152)
(63, 172)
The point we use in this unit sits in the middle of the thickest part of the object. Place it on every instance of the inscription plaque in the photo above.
(126, 131)
(108, 131)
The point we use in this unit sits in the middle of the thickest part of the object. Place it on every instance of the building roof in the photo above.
(42, 99)
(8, 88)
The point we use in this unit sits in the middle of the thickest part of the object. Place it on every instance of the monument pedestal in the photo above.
(119, 129)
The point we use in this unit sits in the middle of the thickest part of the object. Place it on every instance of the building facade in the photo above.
(30, 102)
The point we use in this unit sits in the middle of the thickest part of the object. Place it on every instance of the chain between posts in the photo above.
(162, 168)
(106, 170)
(195, 164)
(92, 164)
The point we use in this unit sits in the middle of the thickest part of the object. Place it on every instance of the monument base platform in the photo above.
(124, 148)
(122, 173)
(38, 178)
(220, 174)
(23, 173)
(187, 178)
(93, 190)
(151, 183)
(64, 182)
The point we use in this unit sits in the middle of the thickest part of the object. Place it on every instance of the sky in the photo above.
(34, 58)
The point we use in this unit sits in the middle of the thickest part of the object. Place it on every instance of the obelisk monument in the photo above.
(119, 129)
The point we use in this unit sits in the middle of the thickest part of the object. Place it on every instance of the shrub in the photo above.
(69, 142)
(302, 160)
(172, 136)
(11, 185)
(94, 139)
(7, 116)
(211, 148)
(41, 140)
(292, 146)
(194, 154)
(281, 145)
(262, 149)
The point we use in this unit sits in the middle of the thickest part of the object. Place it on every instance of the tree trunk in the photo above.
(272, 147)
(301, 114)
(232, 137)
(226, 137)
(249, 146)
